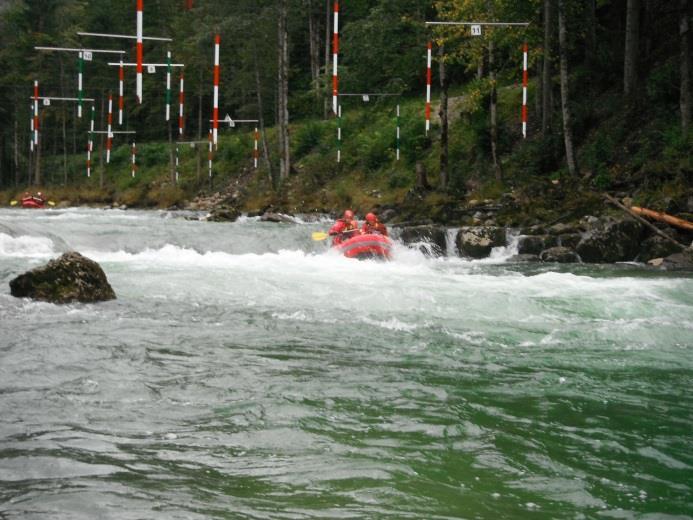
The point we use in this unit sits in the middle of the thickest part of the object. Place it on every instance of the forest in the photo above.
(607, 99)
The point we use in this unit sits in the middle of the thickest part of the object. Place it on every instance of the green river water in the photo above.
(246, 372)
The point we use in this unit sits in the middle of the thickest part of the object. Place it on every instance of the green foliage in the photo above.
(307, 137)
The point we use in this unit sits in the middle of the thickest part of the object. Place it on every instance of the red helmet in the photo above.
(370, 217)
(348, 214)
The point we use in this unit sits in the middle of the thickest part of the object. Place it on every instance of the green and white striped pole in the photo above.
(397, 122)
(80, 92)
(339, 134)
(90, 143)
(168, 86)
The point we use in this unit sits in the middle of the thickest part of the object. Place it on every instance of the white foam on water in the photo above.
(26, 246)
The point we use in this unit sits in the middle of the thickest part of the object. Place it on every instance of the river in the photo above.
(246, 372)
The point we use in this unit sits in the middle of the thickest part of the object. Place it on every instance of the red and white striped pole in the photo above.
(109, 135)
(36, 113)
(133, 167)
(428, 87)
(524, 90)
(140, 9)
(256, 151)
(121, 91)
(215, 112)
(335, 54)
(181, 104)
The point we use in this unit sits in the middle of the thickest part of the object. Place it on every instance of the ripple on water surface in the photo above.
(244, 373)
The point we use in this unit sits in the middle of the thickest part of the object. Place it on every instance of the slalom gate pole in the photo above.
(36, 113)
(397, 137)
(339, 134)
(215, 111)
(133, 168)
(121, 92)
(31, 126)
(140, 16)
(177, 163)
(109, 135)
(80, 72)
(181, 104)
(335, 55)
(90, 142)
(168, 86)
(524, 90)
(209, 157)
(428, 86)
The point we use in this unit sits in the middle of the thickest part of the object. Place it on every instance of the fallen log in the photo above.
(645, 222)
(663, 217)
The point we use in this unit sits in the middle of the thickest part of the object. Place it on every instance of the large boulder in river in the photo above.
(69, 278)
(432, 240)
(613, 241)
(223, 214)
(477, 241)
(656, 246)
(535, 244)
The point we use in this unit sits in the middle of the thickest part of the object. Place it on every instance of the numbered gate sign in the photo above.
(366, 99)
(86, 55)
(476, 30)
(46, 102)
(151, 69)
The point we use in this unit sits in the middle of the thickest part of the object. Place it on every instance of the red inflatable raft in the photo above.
(33, 202)
(366, 246)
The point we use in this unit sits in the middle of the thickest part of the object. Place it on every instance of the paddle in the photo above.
(319, 235)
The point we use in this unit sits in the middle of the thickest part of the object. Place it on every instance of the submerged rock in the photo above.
(69, 278)
(560, 254)
(677, 261)
(223, 215)
(277, 217)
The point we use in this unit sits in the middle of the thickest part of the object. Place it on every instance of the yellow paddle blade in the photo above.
(319, 235)
(51, 203)
(13, 203)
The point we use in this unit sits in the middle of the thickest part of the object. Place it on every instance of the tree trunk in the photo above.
(421, 177)
(283, 92)
(314, 46)
(328, 12)
(261, 118)
(630, 70)
(591, 30)
(685, 42)
(64, 122)
(493, 109)
(565, 95)
(16, 148)
(546, 87)
(443, 113)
